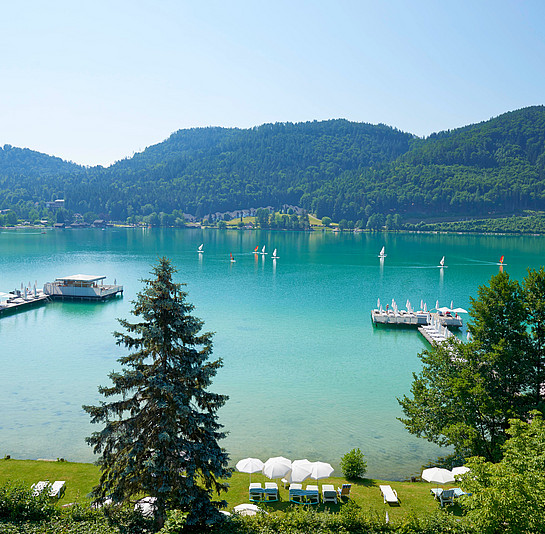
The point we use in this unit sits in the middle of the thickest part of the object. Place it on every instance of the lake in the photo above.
(307, 374)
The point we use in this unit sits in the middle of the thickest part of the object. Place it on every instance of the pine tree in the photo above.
(161, 433)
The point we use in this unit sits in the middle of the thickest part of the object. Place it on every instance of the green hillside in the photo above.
(335, 168)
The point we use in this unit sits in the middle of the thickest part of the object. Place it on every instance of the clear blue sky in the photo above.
(93, 82)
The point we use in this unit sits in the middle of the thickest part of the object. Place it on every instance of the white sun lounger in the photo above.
(389, 494)
(57, 489)
(328, 493)
(39, 487)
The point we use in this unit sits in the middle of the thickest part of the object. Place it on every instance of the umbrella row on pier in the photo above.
(277, 467)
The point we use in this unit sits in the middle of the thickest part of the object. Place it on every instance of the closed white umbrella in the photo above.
(321, 470)
(276, 467)
(300, 470)
(249, 465)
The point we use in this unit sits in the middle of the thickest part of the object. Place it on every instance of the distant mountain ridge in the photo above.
(338, 168)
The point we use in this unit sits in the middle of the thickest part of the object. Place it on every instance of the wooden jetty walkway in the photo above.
(20, 300)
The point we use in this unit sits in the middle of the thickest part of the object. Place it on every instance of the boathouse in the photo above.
(81, 286)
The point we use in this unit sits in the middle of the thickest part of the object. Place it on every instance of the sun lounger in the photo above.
(328, 493)
(312, 495)
(39, 487)
(344, 491)
(389, 495)
(446, 497)
(255, 492)
(270, 493)
(57, 489)
(296, 493)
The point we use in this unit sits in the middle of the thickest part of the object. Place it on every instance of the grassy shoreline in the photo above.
(414, 497)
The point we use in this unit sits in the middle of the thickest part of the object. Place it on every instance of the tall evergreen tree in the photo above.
(161, 433)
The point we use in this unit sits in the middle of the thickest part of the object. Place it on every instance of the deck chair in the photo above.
(344, 491)
(255, 492)
(39, 487)
(296, 493)
(446, 497)
(328, 493)
(270, 493)
(389, 495)
(312, 495)
(57, 489)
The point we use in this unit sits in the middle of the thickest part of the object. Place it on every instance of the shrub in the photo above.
(353, 464)
(17, 502)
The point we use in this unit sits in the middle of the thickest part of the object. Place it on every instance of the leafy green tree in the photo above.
(507, 496)
(161, 433)
(326, 221)
(353, 464)
(467, 392)
(534, 291)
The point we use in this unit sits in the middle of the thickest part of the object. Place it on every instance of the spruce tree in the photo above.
(161, 433)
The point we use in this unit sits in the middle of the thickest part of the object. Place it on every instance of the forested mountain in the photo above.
(337, 168)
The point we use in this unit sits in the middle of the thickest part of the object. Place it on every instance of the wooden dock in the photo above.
(19, 301)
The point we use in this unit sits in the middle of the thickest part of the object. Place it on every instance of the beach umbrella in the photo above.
(146, 506)
(300, 470)
(436, 304)
(378, 304)
(247, 509)
(249, 465)
(276, 467)
(459, 470)
(320, 470)
(437, 475)
(459, 310)
(444, 309)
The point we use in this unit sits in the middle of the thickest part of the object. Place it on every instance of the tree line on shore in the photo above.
(343, 170)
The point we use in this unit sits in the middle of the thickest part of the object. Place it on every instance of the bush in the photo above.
(17, 502)
(353, 464)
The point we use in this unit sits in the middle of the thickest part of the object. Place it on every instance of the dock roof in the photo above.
(81, 278)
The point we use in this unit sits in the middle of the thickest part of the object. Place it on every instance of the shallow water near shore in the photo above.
(307, 374)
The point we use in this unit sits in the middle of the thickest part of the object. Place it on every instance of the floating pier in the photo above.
(18, 300)
(78, 286)
(434, 326)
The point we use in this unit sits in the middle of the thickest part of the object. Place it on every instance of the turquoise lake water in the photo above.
(307, 374)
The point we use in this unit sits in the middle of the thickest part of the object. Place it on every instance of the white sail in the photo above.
(442, 262)
(263, 250)
(381, 253)
(274, 253)
(200, 248)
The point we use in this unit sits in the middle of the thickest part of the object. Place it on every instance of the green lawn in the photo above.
(80, 478)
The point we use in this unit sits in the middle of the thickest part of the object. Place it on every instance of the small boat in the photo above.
(501, 261)
(274, 256)
(232, 259)
(263, 251)
(442, 262)
(255, 250)
(200, 249)
(382, 254)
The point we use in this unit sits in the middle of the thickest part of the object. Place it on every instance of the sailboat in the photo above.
(263, 250)
(255, 250)
(442, 262)
(274, 256)
(232, 259)
(382, 254)
(501, 260)
(200, 249)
